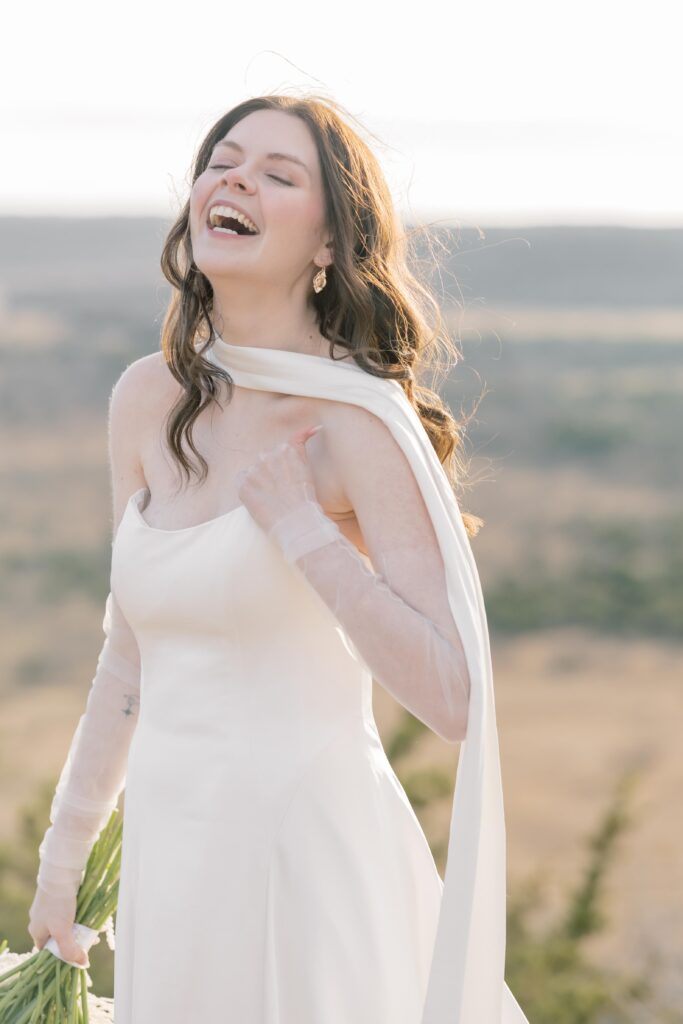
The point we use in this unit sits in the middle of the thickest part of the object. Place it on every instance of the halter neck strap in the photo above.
(274, 369)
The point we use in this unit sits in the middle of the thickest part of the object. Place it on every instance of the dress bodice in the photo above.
(220, 596)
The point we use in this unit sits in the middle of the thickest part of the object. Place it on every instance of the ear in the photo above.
(324, 257)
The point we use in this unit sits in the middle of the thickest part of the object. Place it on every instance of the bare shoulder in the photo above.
(379, 481)
(141, 391)
(354, 434)
(374, 473)
(148, 376)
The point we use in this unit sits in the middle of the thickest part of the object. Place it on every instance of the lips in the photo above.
(232, 205)
(227, 234)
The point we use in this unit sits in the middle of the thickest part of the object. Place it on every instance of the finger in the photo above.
(81, 957)
(70, 949)
(78, 955)
(303, 435)
(40, 937)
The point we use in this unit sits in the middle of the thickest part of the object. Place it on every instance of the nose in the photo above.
(234, 177)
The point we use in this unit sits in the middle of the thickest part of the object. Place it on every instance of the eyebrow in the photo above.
(269, 156)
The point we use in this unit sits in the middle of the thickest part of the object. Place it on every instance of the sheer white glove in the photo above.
(417, 657)
(91, 779)
(54, 916)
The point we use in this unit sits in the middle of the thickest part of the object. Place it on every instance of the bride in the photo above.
(273, 870)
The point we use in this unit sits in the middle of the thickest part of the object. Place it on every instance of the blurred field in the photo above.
(576, 468)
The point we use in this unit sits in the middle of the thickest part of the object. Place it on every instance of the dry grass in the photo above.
(573, 711)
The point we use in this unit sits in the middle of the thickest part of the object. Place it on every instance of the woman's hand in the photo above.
(54, 916)
(279, 481)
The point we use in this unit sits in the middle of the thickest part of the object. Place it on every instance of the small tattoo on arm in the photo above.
(132, 701)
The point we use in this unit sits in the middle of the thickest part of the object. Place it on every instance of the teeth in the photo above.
(228, 211)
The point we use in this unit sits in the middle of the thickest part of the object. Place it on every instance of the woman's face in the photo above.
(282, 197)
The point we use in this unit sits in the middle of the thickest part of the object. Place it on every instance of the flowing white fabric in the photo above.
(466, 981)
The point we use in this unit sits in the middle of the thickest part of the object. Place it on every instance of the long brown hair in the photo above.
(373, 305)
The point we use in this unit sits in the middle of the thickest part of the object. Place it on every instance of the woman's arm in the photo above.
(94, 772)
(399, 616)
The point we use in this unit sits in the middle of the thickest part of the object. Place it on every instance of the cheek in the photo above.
(199, 197)
(297, 215)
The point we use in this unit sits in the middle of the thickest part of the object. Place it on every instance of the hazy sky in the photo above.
(493, 112)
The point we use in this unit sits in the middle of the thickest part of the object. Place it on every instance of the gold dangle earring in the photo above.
(320, 280)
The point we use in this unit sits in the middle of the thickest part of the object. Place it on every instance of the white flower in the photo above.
(109, 933)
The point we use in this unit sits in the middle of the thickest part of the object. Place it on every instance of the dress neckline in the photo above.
(258, 367)
(133, 501)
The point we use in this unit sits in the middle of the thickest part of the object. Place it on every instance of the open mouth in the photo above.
(225, 224)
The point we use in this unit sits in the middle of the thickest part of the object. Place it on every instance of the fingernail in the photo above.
(316, 429)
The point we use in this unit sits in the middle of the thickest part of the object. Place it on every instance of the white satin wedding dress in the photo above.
(273, 870)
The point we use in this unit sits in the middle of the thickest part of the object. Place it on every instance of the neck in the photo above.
(267, 323)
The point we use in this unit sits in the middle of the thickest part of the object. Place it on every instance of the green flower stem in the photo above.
(35, 1019)
(58, 987)
(90, 907)
(23, 1014)
(98, 860)
(84, 1002)
(19, 967)
(73, 1004)
(15, 995)
(99, 856)
(26, 1013)
(73, 992)
(111, 839)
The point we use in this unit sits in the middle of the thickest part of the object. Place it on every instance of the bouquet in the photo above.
(42, 988)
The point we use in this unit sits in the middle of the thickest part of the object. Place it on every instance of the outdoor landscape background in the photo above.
(572, 343)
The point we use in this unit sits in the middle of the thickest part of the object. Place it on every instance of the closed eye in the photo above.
(225, 167)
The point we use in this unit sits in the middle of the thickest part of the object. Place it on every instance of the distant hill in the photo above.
(55, 262)
(564, 266)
